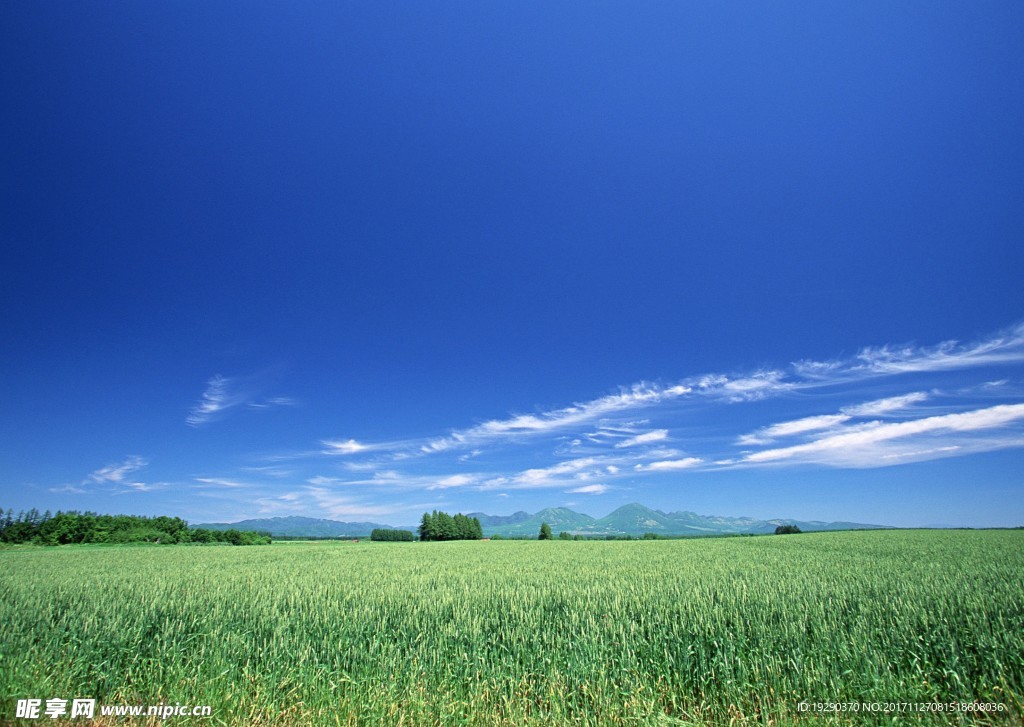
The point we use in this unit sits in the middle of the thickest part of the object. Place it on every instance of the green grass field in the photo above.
(704, 631)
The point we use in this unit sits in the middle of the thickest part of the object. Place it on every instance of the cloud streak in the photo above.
(120, 475)
(589, 490)
(657, 435)
(638, 396)
(223, 394)
(870, 444)
(117, 473)
(216, 399)
(1004, 347)
(670, 465)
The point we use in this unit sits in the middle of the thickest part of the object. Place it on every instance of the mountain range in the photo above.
(633, 519)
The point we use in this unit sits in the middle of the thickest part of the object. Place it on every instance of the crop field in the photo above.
(708, 631)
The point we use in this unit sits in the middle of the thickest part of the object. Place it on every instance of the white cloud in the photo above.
(143, 487)
(787, 429)
(341, 507)
(470, 455)
(670, 465)
(223, 394)
(322, 480)
(867, 445)
(221, 482)
(216, 399)
(277, 472)
(879, 407)
(758, 386)
(407, 481)
(917, 454)
(657, 435)
(349, 446)
(635, 397)
(549, 476)
(117, 473)
(452, 481)
(590, 489)
(1005, 347)
(325, 502)
(272, 402)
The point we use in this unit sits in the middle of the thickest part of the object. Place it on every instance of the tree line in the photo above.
(391, 535)
(71, 527)
(442, 526)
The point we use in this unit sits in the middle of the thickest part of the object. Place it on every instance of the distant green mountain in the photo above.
(559, 518)
(633, 519)
(636, 519)
(488, 520)
(299, 527)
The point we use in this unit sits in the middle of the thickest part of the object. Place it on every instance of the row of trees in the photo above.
(391, 535)
(442, 526)
(88, 527)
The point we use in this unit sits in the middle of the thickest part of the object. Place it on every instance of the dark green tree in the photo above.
(445, 526)
(786, 530)
(390, 535)
(463, 527)
(426, 527)
(564, 536)
(545, 532)
(442, 526)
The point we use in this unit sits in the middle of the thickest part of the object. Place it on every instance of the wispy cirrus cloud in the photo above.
(221, 482)
(669, 465)
(881, 407)
(224, 394)
(122, 476)
(638, 396)
(877, 407)
(216, 399)
(798, 426)
(871, 444)
(1004, 347)
(753, 387)
(655, 435)
(117, 473)
(348, 446)
(590, 490)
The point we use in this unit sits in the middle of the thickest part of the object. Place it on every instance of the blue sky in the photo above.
(360, 260)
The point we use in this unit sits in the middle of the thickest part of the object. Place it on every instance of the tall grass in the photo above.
(467, 633)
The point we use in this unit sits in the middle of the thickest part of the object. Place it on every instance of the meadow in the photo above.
(706, 631)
